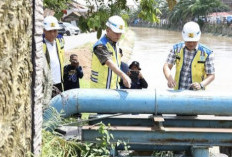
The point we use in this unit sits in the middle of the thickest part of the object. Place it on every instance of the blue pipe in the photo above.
(200, 151)
(142, 101)
(168, 136)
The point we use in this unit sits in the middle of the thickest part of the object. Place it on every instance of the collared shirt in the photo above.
(185, 76)
(54, 61)
(102, 52)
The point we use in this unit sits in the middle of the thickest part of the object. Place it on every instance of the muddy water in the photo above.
(153, 45)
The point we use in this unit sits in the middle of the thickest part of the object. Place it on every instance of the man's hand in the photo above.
(120, 73)
(77, 64)
(171, 82)
(126, 81)
(74, 62)
(195, 86)
(140, 75)
(167, 73)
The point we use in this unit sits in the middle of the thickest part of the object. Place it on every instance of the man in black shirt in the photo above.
(137, 79)
(133, 71)
(72, 73)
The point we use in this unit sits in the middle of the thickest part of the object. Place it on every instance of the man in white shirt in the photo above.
(53, 47)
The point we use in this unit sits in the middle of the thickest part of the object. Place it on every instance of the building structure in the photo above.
(73, 13)
(227, 2)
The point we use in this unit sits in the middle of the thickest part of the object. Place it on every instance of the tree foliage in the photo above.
(182, 11)
(204, 7)
(171, 4)
(57, 6)
(100, 10)
(96, 19)
(149, 11)
(54, 145)
(186, 10)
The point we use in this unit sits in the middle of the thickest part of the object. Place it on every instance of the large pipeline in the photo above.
(141, 101)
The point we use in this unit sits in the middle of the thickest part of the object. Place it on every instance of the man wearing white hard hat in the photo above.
(194, 61)
(106, 59)
(53, 47)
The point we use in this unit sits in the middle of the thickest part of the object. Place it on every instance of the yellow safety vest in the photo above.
(60, 51)
(101, 75)
(197, 66)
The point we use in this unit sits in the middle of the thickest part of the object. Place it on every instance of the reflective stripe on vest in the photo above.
(101, 75)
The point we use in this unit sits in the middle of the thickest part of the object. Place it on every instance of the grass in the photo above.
(56, 146)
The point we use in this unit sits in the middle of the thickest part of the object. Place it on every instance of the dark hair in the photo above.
(72, 55)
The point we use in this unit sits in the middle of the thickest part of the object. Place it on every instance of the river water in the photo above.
(153, 45)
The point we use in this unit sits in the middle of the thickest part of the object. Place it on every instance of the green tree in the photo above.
(57, 6)
(95, 20)
(99, 11)
(204, 7)
(145, 10)
(187, 10)
(149, 11)
(164, 8)
(171, 3)
(181, 12)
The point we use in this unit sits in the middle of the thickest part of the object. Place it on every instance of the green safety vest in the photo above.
(197, 66)
(101, 75)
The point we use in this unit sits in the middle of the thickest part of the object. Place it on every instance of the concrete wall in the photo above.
(15, 77)
(38, 75)
(21, 77)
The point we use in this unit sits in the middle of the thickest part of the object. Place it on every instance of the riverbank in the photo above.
(84, 53)
(214, 29)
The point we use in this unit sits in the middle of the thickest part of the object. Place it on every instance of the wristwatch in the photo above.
(202, 87)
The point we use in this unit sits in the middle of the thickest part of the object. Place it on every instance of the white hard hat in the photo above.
(51, 23)
(191, 31)
(116, 24)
